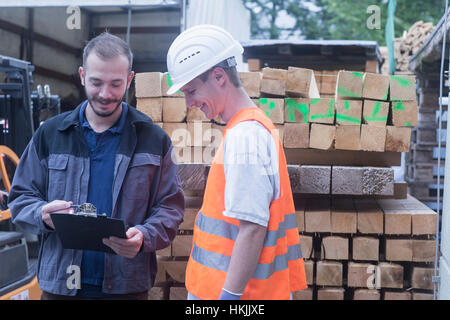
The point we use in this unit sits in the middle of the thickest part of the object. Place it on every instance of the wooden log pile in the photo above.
(410, 42)
(362, 237)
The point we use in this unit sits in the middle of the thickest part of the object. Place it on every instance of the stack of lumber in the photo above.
(366, 112)
(194, 138)
(354, 248)
(366, 249)
(362, 237)
(410, 42)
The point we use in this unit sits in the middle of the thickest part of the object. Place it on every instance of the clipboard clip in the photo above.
(87, 210)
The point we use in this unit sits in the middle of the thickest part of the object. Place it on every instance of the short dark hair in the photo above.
(230, 71)
(106, 46)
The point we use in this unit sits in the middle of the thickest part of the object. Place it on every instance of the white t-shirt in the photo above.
(252, 180)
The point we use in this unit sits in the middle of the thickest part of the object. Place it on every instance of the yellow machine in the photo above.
(20, 286)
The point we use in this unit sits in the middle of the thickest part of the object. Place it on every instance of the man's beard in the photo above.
(100, 114)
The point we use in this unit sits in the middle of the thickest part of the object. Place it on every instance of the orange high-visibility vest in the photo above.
(280, 269)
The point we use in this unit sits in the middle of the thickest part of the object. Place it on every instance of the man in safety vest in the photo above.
(246, 242)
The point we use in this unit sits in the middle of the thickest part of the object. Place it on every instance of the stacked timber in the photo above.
(410, 43)
(362, 236)
(354, 248)
(366, 249)
(422, 161)
(367, 112)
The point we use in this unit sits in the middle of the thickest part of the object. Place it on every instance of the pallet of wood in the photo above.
(361, 249)
(366, 112)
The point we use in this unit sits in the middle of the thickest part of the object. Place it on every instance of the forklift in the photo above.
(21, 112)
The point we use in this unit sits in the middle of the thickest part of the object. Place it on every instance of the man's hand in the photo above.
(129, 247)
(55, 206)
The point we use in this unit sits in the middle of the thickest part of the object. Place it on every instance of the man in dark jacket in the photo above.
(107, 153)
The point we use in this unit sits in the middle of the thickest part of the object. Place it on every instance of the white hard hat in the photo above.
(196, 50)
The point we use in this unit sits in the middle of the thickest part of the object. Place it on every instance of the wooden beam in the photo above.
(366, 294)
(366, 248)
(358, 274)
(192, 176)
(343, 216)
(329, 273)
(330, 294)
(334, 248)
(370, 216)
(317, 216)
(391, 275)
(362, 180)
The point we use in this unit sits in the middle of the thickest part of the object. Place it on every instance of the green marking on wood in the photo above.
(328, 115)
(272, 105)
(347, 105)
(375, 119)
(292, 105)
(386, 95)
(408, 124)
(331, 106)
(376, 109)
(314, 101)
(402, 81)
(346, 118)
(346, 93)
(320, 116)
(358, 74)
(398, 106)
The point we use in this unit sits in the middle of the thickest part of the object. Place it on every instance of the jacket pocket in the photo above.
(141, 172)
(57, 175)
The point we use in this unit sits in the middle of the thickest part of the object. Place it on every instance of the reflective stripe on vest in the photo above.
(221, 228)
(263, 270)
(226, 230)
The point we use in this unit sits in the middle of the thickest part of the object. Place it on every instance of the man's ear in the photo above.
(82, 75)
(220, 76)
(129, 79)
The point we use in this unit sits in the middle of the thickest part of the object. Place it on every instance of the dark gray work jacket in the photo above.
(147, 194)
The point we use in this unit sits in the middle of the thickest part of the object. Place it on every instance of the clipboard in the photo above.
(85, 232)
